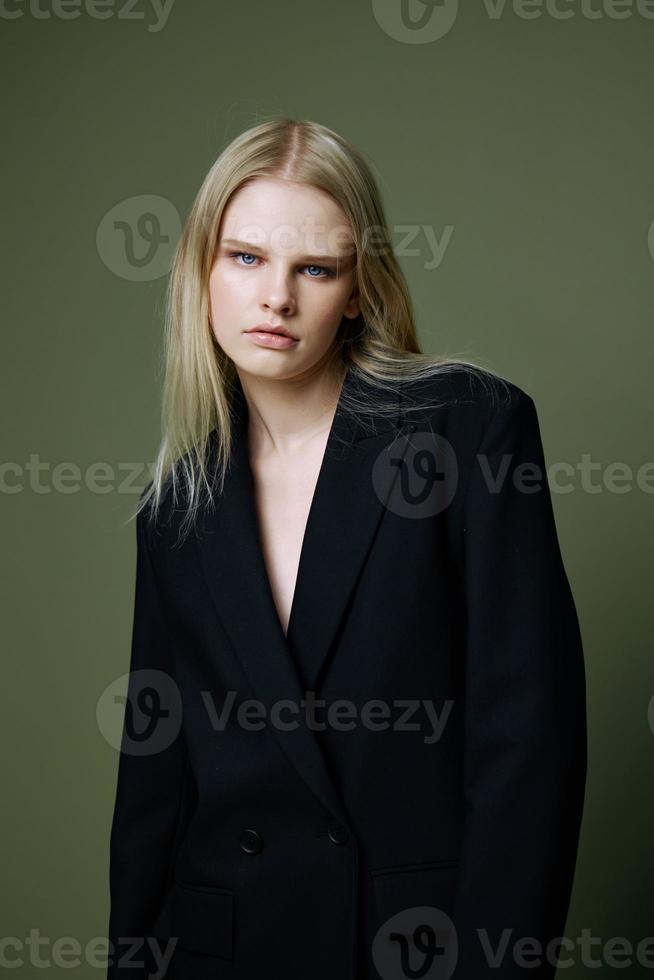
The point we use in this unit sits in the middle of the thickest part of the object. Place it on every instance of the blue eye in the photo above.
(326, 270)
(249, 254)
(329, 273)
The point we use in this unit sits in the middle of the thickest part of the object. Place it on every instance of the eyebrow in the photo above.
(317, 259)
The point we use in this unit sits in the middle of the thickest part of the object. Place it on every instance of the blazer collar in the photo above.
(354, 482)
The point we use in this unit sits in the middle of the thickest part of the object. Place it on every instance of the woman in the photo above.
(355, 733)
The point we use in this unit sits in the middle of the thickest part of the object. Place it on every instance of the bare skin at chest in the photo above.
(284, 490)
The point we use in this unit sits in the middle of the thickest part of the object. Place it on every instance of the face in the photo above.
(285, 258)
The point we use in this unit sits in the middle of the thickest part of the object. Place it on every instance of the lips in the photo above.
(269, 328)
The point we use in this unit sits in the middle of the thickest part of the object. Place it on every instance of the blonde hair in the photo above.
(380, 344)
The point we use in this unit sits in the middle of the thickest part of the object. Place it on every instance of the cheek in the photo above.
(327, 301)
(227, 290)
(321, 315)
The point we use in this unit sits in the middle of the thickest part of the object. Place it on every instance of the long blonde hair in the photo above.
(380, 344)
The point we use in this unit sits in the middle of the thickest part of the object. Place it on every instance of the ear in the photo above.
(353, 307)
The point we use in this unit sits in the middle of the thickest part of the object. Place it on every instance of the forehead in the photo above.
(272, 211)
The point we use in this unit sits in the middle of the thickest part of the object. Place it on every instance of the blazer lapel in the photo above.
(346, 510)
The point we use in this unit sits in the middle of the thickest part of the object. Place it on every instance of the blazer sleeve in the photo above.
(524, 712)
(151, 773)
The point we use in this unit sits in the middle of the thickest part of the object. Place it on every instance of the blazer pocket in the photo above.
(404, 886)
(200, 917)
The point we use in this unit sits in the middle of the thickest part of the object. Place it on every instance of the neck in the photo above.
(285, 415)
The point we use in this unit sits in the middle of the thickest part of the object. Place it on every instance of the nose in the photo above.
(277, 292)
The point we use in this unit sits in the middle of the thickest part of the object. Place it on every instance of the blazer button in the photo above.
(251, 841)
(337, 833)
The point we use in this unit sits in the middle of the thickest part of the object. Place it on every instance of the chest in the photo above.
(283, 494)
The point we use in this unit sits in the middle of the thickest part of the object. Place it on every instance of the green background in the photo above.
(531, 138)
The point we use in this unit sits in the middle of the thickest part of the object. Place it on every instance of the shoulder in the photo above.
(463, 398)
(482, 426)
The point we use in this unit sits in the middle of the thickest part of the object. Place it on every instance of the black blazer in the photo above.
(425, 816)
